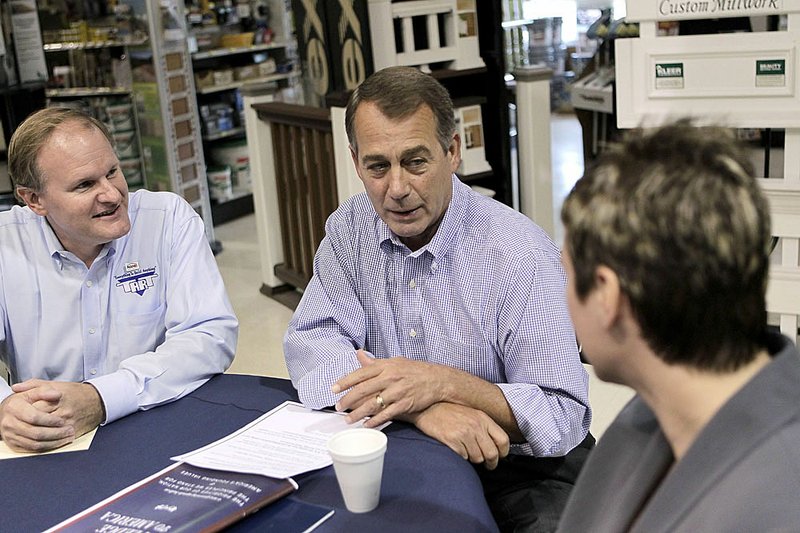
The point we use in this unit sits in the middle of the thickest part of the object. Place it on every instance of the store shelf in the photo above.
(238, 84)
(234, 208)
(79, 92)
(222, 52)
(224, 134)
(62, 47)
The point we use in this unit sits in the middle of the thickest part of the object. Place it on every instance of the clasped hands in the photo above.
(44, 415)
(416, 392)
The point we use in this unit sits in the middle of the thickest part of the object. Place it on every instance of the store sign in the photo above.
(637, 10)
(669, 75)
(28, 41)
(308, 16)
(351, 44)
(771, 73)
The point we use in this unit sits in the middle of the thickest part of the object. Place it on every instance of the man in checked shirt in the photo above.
(435, 305)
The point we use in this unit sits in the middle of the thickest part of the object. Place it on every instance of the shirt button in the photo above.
(413, 333)
(412, 284)
(434, 265)
(89, 283)
(93, 371)
(91, 331)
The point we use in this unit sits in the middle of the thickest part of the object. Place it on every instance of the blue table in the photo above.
(426, 487)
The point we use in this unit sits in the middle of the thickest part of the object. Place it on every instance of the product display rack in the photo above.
(127, 63)
(95, 76)
(226, 60)
(163, 87)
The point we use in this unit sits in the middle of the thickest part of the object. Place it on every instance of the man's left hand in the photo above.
(470, 433)
(80, 405)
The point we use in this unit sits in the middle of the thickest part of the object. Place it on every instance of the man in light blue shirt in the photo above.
(109, 302)
(435, 305)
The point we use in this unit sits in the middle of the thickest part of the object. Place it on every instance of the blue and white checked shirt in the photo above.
(148, 323)
(486, 295)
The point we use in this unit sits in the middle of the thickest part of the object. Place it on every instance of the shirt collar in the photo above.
(448, 230)
(57, 250)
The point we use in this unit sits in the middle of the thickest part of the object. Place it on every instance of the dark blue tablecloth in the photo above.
(426, 487)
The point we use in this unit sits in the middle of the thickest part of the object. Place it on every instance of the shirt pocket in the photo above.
(476, 358)
(137, 333)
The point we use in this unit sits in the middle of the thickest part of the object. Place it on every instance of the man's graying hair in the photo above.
(34, 132)
(398, 92)
(677, 214)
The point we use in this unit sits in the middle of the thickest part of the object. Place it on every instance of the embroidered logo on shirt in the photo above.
(136, 279)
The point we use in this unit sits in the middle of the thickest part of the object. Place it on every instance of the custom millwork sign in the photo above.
(695, 9)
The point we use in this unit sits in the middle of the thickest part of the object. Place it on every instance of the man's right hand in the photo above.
(470, 433)
(27, 422)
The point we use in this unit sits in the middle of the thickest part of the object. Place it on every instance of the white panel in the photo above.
(417, 8)
(789, 254)
(719, 82)
(424, 57)
(380, 23)
(783, 291)
(791, 168)
(265, 190)
(535, 159)
(784, 208)
(408, 35)
(789, 326)
(347, 181)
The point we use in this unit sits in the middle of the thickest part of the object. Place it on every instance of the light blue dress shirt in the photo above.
(486, 295)
(148, 323)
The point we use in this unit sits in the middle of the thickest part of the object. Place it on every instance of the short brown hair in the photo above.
(677, 214)
(34, 132)
(399, 92)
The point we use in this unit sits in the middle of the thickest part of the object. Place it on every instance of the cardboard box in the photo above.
(266, 68)
(223, 76)
(203, 79)
(247, 72)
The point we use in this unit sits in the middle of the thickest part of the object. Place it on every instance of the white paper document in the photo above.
(286, 441)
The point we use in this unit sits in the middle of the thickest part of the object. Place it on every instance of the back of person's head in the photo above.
(677, 214)
(399, 92)
(34, 132)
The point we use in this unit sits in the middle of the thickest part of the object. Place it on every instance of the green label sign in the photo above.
(669, 75)
(771, 73)
(669, 70)
(771, 67)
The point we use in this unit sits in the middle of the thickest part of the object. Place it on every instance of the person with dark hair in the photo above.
(110, 302)
(432, 304)
(667, 254)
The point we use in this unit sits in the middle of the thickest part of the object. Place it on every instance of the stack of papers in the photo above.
(287, 441)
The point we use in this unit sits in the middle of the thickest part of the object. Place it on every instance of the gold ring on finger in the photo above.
(380, 402)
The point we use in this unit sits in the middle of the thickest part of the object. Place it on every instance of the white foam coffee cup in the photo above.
(358, 462)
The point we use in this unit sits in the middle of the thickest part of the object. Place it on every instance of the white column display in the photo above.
(742, 80)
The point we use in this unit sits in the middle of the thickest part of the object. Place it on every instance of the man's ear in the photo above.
(454, 152)
(609, 295)
(32, 199)
(354, 156)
